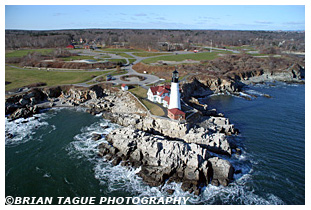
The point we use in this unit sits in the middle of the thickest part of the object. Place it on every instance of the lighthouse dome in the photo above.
(175, 76)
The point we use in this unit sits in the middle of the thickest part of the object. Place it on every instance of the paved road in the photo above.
(99, 54)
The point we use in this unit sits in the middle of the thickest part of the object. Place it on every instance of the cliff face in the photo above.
(233, 81)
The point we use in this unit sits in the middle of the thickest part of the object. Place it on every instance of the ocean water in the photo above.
(52, 154)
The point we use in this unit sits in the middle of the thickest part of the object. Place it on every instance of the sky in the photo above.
(223, 17)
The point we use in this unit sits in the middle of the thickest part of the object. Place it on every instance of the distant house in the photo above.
(158, 93)
(86, 46)
(71, 46)
(124, 87)
(176, 114)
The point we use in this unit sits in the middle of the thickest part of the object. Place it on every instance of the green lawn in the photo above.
(117, 60)
(132, 60)
(20, 77)
(244, 47)
(154, 108)
(124, 55)
(139, 92)
(148, 54)
(181, 57)
(80, 57)
(122, 50)
(21, 53)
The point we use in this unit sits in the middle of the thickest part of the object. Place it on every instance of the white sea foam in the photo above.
(84, 145)
(254, 92)
(239, 192)
(119, 178)
(21, 130)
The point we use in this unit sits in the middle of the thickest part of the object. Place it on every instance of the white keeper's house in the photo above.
(158, 93)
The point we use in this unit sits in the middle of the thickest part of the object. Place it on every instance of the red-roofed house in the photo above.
(158, 93)
(176, 114)
(124, 87)
(71, 46)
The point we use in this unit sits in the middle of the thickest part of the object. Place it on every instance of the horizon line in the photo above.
(274, 30)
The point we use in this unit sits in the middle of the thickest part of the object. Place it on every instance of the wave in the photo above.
(22, 130)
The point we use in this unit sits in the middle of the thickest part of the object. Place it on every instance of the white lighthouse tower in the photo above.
(175, 95)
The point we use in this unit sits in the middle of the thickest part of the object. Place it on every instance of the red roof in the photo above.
(167, 99)
(161, 89)
(176, 111)
(164, 91)
(70, 46)
(154, 90)
(123, 85)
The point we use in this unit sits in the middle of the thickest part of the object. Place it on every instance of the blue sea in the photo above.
(52, 154)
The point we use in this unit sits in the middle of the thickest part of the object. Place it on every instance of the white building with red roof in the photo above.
(124, 87)
(176, 114)
(158, 93)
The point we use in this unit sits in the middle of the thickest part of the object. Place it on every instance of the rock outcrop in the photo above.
(233, 73)
(28, 103)
(164, 149)
(164, 160)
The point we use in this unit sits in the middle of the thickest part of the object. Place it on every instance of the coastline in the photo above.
(208, 143)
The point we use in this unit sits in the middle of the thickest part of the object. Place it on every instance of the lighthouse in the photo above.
(175, 95)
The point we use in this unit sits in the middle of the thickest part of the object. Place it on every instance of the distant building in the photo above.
(124, 87)
(86, 46)
(71, 46)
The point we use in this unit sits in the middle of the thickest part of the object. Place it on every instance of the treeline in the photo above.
(156, 39)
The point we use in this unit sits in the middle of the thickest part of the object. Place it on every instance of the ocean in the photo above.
(52, 154)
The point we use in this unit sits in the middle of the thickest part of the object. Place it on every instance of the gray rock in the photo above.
(161, 159)
(222, 170)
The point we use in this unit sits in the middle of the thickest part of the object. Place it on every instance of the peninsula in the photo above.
(187, 144)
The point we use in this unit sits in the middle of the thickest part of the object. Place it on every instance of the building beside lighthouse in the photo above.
(174, 108)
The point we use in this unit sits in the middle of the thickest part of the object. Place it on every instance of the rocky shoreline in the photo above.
(195, 152)
(166, 150)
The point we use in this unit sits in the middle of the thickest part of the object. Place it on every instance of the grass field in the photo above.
(132, 60)
(124, 55)
(154, 109)
(21, 53)
(20, 77)
(121, 50)
(117, 60)
(182, 57)
(148, 54)
(80, 57)
(244, 47)
(139, 92)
